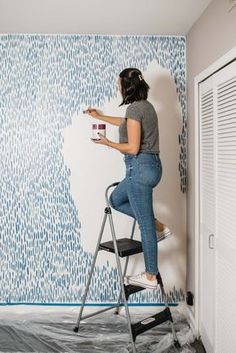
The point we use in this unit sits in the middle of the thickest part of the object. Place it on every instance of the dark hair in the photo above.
(133, 86)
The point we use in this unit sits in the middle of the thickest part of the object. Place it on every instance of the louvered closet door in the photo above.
(225, 245)
(207, 214)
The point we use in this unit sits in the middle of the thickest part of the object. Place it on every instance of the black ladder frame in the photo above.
(125, 290)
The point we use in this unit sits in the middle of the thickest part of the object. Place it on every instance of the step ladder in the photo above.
(126, 247)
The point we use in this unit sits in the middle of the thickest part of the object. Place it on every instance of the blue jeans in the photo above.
(134, 197)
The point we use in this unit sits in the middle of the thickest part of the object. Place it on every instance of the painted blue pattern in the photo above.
(44, 80)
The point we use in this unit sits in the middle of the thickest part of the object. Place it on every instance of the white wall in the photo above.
(211, 37)
(95, 167)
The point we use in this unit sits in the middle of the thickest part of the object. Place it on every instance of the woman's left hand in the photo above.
(103, 140)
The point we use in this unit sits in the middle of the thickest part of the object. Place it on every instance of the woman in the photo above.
(139, 142)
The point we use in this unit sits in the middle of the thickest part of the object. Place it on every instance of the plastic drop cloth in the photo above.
(40, 329)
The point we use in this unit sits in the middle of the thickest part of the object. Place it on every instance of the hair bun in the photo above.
(133, 86)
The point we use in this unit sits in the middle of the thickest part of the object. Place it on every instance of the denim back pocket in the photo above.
(150, 170)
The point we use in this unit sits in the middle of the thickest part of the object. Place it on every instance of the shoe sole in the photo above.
(142, 285)
(163, 236)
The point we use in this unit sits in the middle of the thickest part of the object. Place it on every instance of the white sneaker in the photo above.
(163, 234)
(141, 281)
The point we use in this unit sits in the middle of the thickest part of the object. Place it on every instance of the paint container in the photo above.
(98, 128)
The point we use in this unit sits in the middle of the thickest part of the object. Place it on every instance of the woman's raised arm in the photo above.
(108, 119)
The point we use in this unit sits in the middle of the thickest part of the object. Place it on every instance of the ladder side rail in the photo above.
(91, 271)
(125, 267)
(121, 282)
(164, 295)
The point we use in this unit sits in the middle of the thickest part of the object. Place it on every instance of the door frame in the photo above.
(209, 71)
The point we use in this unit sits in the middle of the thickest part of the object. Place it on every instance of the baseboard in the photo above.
(191, 320)
(187, 311)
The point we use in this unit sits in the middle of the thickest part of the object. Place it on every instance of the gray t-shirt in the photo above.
(144, 112)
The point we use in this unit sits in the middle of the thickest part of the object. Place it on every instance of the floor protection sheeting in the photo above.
(30, 329)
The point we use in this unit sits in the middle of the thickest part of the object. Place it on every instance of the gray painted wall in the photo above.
(211, 37)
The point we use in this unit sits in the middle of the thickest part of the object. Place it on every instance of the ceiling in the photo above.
(140, 17)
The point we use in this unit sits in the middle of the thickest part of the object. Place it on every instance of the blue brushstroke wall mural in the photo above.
(44, 81)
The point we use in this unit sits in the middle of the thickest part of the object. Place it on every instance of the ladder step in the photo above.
(151, 322)
(131, 289)
(126, 247)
